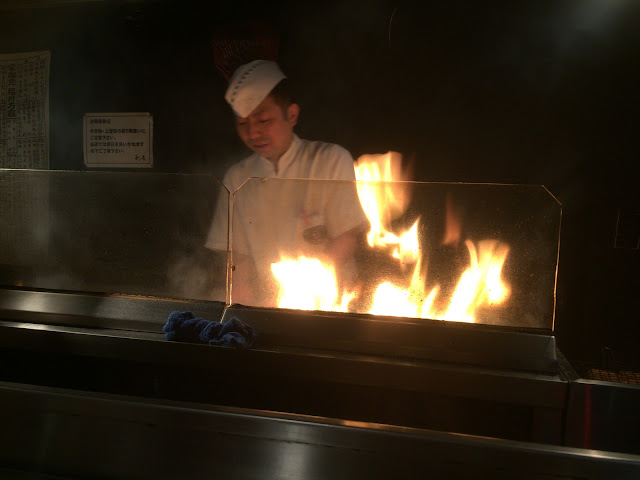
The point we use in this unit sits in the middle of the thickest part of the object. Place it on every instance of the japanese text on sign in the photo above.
(24, 110)
(118, 140)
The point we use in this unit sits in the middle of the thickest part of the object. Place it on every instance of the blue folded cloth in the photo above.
(185, 327)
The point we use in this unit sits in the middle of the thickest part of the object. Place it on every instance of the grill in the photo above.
(620, 376)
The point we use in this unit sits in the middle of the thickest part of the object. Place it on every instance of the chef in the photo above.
(275, 212)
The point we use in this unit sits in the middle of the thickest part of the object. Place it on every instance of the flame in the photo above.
(390, 299)
(480, 284)
(310, 284)
(383, 200)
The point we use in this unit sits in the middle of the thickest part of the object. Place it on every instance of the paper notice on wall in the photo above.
(24, 145)
(24, 110)
(118, 140)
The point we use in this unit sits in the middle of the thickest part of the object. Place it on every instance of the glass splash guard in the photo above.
(481, 253)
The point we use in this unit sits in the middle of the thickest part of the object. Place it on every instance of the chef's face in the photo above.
(268, 130)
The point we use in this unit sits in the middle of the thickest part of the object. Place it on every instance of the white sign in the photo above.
(118, 140)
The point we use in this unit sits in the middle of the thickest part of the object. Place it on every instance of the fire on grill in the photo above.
(458, 252)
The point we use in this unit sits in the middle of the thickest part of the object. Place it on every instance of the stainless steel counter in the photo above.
(343, 394)
(73, 434)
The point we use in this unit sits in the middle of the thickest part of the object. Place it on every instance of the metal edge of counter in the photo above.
(63, 432)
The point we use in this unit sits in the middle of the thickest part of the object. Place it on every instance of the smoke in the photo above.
(189, 277)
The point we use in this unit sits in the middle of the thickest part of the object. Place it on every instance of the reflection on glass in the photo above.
(111, 232)
(477, 253)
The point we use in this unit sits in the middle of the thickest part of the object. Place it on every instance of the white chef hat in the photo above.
(250, 84)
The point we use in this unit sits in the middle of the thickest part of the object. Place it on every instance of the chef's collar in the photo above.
(287, 157)
(250, 84)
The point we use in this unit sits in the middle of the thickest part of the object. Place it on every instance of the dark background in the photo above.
(532, 92)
